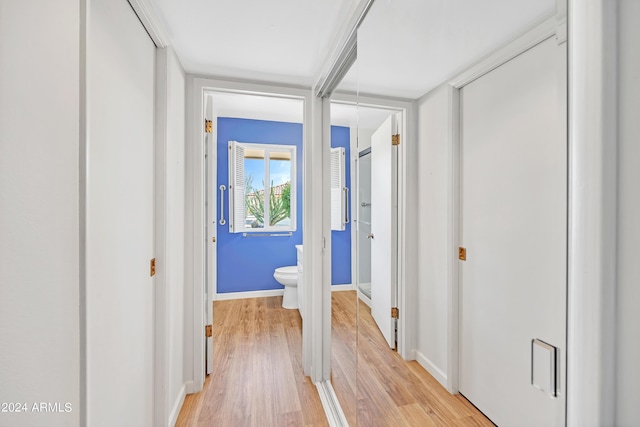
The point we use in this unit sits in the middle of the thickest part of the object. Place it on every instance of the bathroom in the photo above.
(244, 254)
(245, 264)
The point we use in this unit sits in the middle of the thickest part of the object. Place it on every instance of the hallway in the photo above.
(257, 374)
(257, 377)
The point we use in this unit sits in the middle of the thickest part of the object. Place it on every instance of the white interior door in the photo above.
(514, 227)
(120, 217)
(212, 192)
(383, 228)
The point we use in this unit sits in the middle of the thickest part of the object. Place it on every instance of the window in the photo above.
(259, 173)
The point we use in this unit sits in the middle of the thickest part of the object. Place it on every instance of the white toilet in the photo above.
(288, 276)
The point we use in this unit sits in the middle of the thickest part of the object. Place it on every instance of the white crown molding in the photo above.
(526, 41)
(151, 21)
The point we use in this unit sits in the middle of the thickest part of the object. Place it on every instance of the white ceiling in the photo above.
(405, 47)
(358, 116)
(282, 41)
(408, 47)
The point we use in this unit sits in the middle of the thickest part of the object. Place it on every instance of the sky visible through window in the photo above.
(280, 172)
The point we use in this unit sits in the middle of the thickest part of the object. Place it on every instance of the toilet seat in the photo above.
(290, 269)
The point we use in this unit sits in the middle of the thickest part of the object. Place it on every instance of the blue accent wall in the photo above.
(341, 240)
(248, 263)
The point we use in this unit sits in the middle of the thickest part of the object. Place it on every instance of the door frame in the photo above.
(407, 195)
(550, 27)
(195, 213)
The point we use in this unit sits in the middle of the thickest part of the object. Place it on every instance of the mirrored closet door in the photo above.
(470, 329)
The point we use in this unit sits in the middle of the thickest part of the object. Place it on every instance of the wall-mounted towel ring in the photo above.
(222, 188)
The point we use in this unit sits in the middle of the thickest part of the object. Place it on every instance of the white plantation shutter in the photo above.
(236, 188)
(338, 205)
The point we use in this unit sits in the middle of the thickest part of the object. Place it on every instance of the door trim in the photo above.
(547, 28)
(151, 22)
(593, 151)
(195, 278)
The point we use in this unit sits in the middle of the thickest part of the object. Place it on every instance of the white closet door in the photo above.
(514, 227)
(120, 217)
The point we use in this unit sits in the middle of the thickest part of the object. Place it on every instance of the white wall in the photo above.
(434, 160)
(39, 209)
(175, 179)
(170, 234)
(628, 351)
(364, 139)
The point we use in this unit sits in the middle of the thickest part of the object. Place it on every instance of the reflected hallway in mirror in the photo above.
(469, 74)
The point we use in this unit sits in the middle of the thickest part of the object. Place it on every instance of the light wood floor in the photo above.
(390, 391)
(257, 379)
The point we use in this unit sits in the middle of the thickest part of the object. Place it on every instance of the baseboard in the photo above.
(340, 288)
(365, 299)
(177, 406)
(332, 409)
(189, 387)
(273, 293)
(249, 294)
(436, 372)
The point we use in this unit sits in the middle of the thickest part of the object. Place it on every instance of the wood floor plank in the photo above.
(282, 371)
(415, 415)
(312, 414)
(343, 354)
(290, 419)
(390, 390)
(257, 377)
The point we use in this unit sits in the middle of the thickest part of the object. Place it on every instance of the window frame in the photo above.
(234, 204)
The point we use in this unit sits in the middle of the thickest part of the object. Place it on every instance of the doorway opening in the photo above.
(253, 195)
(247, 114)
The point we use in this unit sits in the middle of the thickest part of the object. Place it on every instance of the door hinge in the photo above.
(208, 126)
(462, 253)
(395, 139)
(395, 313)
(152, 267)
(208, 331)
